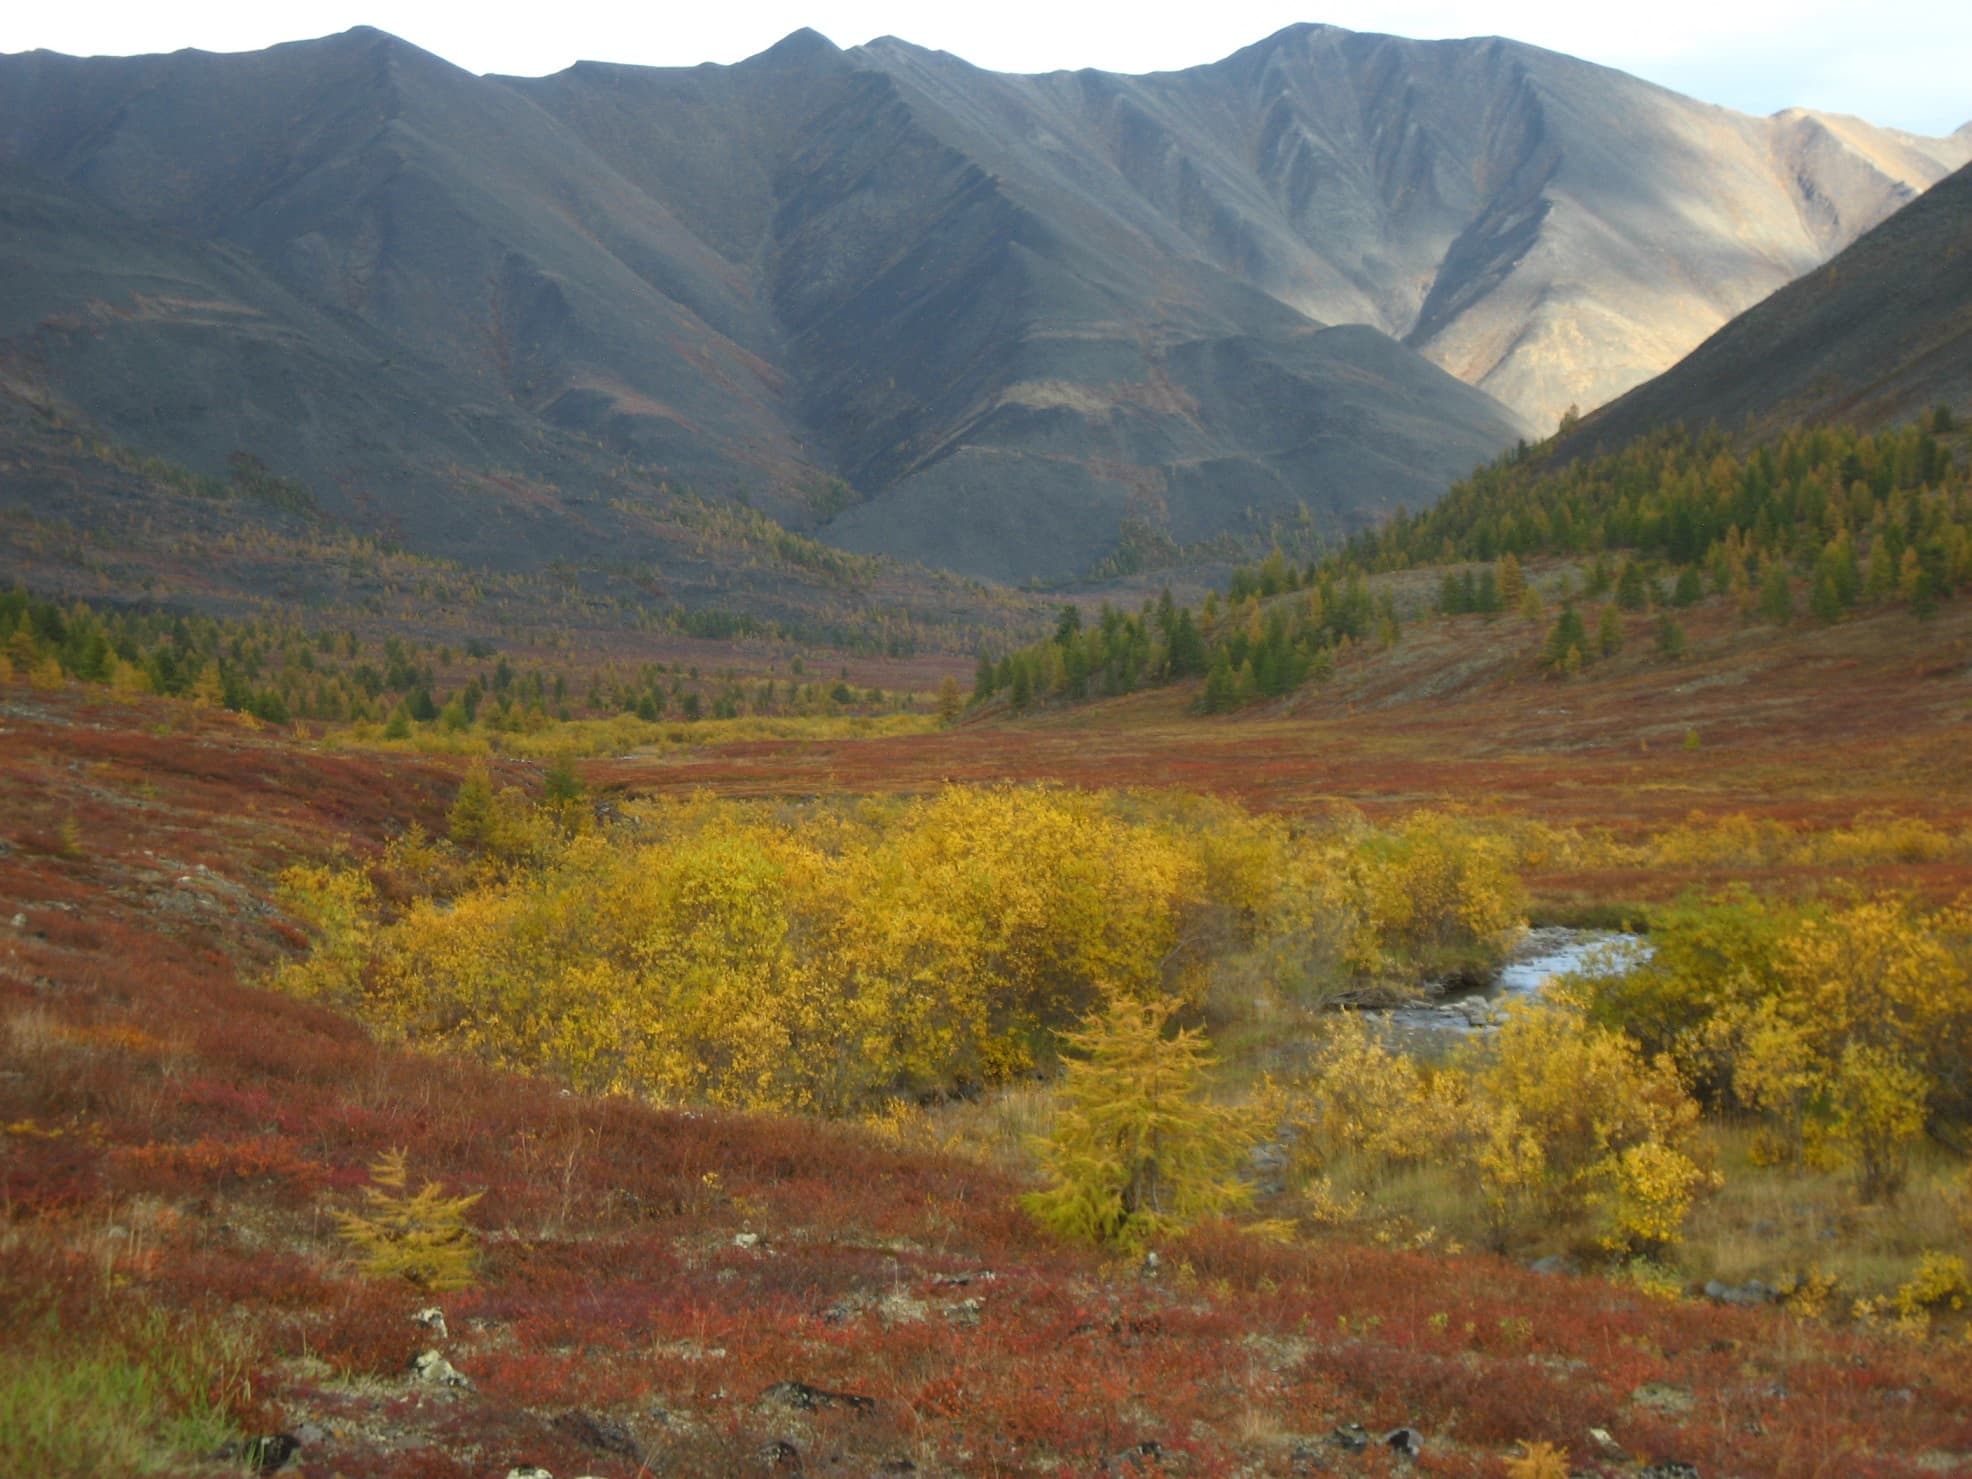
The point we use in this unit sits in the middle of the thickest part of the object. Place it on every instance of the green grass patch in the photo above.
(145, 1401)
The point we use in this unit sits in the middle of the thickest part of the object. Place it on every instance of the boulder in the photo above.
(781, 1455)
(600, 1434)
(1408, 1442)
(432, 1367)
(1752, 1292)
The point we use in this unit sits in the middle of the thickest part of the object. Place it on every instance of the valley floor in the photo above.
(1814, 728)
(697, 1292)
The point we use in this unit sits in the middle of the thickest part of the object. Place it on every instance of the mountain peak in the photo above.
(371, 41)
(1004, 313)
(798, 47)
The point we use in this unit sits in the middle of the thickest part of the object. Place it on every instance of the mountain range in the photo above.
(984, 321)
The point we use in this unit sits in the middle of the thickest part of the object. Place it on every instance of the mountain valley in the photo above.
(728, 770)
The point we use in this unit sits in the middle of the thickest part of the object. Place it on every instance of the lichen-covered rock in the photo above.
(432, 1367)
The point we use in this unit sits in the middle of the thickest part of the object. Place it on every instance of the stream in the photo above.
(1441, 1022)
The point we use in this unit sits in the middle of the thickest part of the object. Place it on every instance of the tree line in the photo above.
(279, 672)
(1821, 521)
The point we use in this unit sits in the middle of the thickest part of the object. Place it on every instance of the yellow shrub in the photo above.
(1580, 1122)
(1848, 1028)
(1878, 1100)
(1776, 1071)
(826, 957)
(1512, 1167)
(1652, 1190)
(1942, 1282)
(1361, 1098)
(1436, 892)
(336, 904)
(1881, 839)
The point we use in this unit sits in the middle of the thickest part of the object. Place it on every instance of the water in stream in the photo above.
(1432, 1026)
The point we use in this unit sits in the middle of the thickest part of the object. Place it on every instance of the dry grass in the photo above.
(1772, 1223)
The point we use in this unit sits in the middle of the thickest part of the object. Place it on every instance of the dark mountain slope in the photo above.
(189, 349)
(1005, 366)
(383, 184)
(1878, 334)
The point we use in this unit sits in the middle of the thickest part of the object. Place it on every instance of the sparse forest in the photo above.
(1815, 525)
(390, 688)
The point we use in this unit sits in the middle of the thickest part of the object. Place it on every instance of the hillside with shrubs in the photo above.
(1815, 524)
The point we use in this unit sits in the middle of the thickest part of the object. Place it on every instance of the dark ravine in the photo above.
(930, 311)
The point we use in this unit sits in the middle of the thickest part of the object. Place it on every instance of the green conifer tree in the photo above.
(1567, 635)
(1221, 687)
(1776, 594)
(1609, 632)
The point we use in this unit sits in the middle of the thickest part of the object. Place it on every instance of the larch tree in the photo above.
(1137, 1150)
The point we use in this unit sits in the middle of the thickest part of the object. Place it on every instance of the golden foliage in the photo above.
(1560, 1121)
(1583, 1122)
(829, 957)
(420, 1237)
(1538, 1461)
(1366, 1100)
(336, 904)
(1847, 1027)
(1436, 893)
(1942, 1282)
(1137, 1151)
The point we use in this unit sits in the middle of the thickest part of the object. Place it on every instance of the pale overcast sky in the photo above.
(1904, 63)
